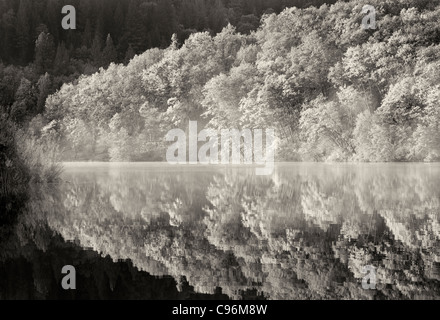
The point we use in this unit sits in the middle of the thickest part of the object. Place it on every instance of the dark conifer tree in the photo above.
(44, 52)
(109, 53)
(23, 31)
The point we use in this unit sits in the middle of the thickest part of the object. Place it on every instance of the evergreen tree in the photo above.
(61, 59)
(24, 106)
(134, 28)
(8, 23)
(109, 53)
(129, 54)
(87, 34)
(44, 52)
(96, 50)
(23, 31)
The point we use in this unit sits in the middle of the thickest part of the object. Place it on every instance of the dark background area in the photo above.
(134, 26)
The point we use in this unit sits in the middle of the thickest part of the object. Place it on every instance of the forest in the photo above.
(134, 25)
(37, 57)
(133, 70)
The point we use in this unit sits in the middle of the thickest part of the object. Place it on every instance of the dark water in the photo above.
(154, 231)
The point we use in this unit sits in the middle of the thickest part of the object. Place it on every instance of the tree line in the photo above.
(134, 25)
(37, 56)
(332, 90)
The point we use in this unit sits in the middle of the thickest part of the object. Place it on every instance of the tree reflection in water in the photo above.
(303, 233)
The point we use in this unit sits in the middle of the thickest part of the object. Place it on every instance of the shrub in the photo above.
(40, 155)
(26, 158)
(13, 172)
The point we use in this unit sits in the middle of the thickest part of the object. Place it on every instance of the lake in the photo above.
(156, 231)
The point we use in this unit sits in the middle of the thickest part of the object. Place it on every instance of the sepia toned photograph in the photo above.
(233, 150)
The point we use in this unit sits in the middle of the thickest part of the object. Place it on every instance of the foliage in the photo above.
(332, 93)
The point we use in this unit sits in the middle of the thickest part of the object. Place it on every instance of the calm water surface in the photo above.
(193, 232)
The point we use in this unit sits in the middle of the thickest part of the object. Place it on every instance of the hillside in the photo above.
(332, 90)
